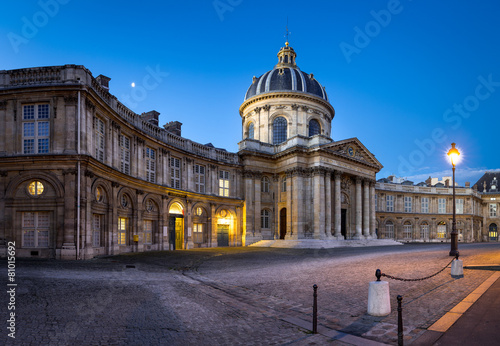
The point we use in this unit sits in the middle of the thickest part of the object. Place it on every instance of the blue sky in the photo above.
(405, 77)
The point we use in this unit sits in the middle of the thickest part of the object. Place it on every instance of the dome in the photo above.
(286, 76)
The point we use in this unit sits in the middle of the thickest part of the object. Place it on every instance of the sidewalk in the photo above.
(474, 321)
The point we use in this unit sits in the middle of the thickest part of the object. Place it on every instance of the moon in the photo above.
(133, 85)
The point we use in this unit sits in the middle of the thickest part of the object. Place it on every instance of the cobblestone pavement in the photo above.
(232, 296)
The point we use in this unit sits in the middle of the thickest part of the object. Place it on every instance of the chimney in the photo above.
(151, 117)
(103, 81)
(467, 184)
(447, 183)
(173, 127)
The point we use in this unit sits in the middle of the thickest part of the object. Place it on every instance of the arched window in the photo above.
(264, 184)
(389, 230)
(493, 232)
(264, 218)
(441, 230)
(250, 131)
(407, 230)
(424, 230)
(314, 127)
(279, 130)
(35, 188)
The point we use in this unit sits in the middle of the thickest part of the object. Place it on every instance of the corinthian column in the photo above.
(358, 210)
(373, 219)
(366, 209)
(328, 205)
(338, 213)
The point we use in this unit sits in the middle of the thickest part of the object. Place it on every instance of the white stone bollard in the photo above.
(379, 301)
(457, 269)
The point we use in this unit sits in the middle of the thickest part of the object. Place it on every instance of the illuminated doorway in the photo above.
(223, 223)
(176, 226)
(493, 232)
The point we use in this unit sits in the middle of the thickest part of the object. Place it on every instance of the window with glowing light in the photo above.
(122, 230)
(197, 233)
(35, 188)
(224, 183)
(36, 227)
(441, 230)
(99, 194)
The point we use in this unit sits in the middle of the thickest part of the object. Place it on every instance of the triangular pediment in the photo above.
(352, 149)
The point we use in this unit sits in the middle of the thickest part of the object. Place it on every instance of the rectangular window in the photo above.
(198, 233)
(224, 183)
(36, 226)
(424, 205)
(459, 206)
(96, 230)
(442, 205)
(124, 154)
(99, 139)
(493, 209)
(36, 129)
(122, 230)
(150, 165)
(408, 204)
(376, 202)
(389, 200)
(199, 178)
(175, 173)
(424, 231)
(148, 232)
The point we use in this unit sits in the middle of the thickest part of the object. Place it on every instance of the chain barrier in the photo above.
(421, 279)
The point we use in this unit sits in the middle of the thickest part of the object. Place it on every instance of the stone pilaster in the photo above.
(338, 212)
(319, 204)
(373, 217)
(328, 205)
(366, 209)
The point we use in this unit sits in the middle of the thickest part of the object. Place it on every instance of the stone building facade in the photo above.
(81, 175)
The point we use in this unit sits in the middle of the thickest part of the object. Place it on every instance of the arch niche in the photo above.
(176, 226)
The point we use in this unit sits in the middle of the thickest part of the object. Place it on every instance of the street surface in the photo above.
(235, 296)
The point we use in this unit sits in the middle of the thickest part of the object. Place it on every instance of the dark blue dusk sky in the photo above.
(405, 77)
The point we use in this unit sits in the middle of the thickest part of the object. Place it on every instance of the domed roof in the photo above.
(286, 76)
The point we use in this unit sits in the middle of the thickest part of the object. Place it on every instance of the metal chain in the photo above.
(421, 279)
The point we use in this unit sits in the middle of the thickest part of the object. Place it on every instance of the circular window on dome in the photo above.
(125, 201)
(150, 206)
(99, 194)
(35, 188)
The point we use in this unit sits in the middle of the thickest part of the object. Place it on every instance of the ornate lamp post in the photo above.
(453, 153)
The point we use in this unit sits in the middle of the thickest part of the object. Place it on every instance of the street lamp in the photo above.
(453, 153)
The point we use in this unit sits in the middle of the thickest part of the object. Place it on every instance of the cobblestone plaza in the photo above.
(232, 296)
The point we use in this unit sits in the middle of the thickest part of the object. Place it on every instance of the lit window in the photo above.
(96, 230)
(36, 226)
(279, 130)
(264, 184)
(493, 209)
(314, 128)
(442, 205)
(148, 232)
(199, 211)
(99, 195)
(224, 183)
(424, 205)
(36, 129)
(122, 230)
(441, 230)
(175, 173)
(99, 139)
(250, 131)
(408, 204)
(459, 206)
(35, 188)
(264, 218)
(150, 165)
(124, 154)
(389, 202)
(199, 178)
